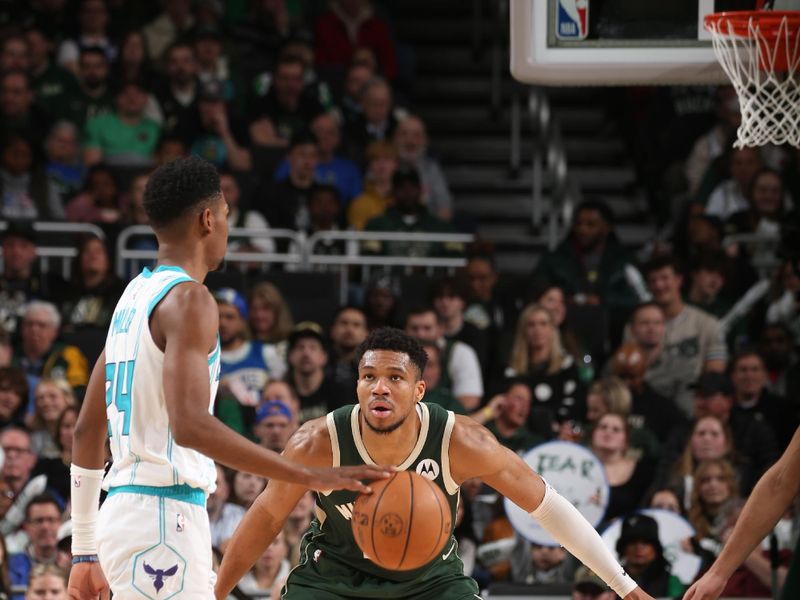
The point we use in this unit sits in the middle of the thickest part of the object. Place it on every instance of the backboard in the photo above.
(615, 42)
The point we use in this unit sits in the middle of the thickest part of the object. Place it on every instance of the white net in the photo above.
(761, 55)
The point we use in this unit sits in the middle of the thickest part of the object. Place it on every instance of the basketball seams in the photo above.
(374, 513)
(410, 516)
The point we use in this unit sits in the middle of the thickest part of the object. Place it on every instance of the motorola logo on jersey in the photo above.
(428, 468)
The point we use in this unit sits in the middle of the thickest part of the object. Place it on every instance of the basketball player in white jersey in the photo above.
(151, 393)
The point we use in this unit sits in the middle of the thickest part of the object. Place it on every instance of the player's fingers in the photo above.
(690, 593)
(356, 486)
(105, 594)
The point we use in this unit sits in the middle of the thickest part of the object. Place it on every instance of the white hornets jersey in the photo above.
(142, 446)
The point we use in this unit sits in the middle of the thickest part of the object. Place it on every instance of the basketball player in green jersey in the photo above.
(391, 426)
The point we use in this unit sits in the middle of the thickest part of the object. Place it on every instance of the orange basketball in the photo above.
(405, 522)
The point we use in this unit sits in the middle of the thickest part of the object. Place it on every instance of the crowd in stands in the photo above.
(684, 398)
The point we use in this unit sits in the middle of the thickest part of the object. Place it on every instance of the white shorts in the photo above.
(155, 547)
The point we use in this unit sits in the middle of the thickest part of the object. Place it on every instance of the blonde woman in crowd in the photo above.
(51, 397)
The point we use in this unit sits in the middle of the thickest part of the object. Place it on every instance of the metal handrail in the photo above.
(293, 256)
(65, 253)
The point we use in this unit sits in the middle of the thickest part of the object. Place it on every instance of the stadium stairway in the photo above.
(452, 92)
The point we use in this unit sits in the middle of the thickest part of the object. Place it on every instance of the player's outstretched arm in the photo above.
(311, 446)
(771, 497)
(186, 323)
(86, 580)
(474, 452)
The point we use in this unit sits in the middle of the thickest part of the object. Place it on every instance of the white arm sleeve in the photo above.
(568, 526)
(85, 506)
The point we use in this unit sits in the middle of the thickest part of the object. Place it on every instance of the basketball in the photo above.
(404, 524)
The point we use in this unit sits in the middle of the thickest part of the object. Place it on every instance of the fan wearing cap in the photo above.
(222, 139)
(275, 424)
(642, 555)
(21, 280)
(408, 214)
(247, 365)
(308, 356)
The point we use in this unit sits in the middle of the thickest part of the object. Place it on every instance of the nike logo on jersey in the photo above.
(346, 510)
(449, 552)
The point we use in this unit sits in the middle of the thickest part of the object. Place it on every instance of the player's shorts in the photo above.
(156, 546)
(319, 577)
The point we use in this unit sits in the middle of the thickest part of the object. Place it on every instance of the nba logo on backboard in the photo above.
(572, 19)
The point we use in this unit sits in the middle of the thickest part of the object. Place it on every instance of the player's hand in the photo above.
(639, 594)
(87, 582)
(346, 478)
(708, 587)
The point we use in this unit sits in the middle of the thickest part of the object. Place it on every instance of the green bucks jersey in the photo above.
(330, 559)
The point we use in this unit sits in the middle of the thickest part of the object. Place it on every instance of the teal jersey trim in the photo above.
(181, 492)
(154, 302)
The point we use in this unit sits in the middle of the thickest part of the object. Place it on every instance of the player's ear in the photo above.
(206, 220)
(419, 390)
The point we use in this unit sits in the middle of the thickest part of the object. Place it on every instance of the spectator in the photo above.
(666, 498)
(221, 138)
(16, 474)
(214, 65)
(709, 273)
(484, 308)
(649, 409)
(325, 214)
(269, 571)
(13, 396)
(432, 376)
(26, 191)
(643, 557)
(350, 24)
(94, 98)
(588, 586)
(126, 138)
(56, 469)
(535, 564)
(64, 161)
(730, 196)
(449, 299)
(270, 315)
(714, 500)
(552, 298)
(133, 61)
(246, 365)
(285, 204)
(349, 329)
(239, 215)
(14, 53)
(280, 391)
(41, 355)
(318, 393)
(42, 519)
(377, 121)
(51, 399)
(408, 215)
(19, 114)
(99, 200)
(47, 581)
(178, 94)
(537, 355)
(611, 395)
(692, 338)
(297, 525)
(287, 108)
(246, 488)
(51, 83)
(174, 21)
(462, 372)
(92, 31)
(357, 75)
(223, 516)
(628, 478)
(508, 416)
(589, 265)
(381, 303)
(331, 168)
(783, 308)
(21, 280)
(95, 289)
(274, 426)
(411, 139)
(776, 347)
(377, 196)
(753, 401)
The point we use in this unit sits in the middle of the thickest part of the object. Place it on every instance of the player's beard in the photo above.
(386, 430)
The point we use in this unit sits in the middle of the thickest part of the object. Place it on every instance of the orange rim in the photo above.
(767, 21)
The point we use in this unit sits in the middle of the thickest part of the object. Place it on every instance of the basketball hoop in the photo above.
(760, 52)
